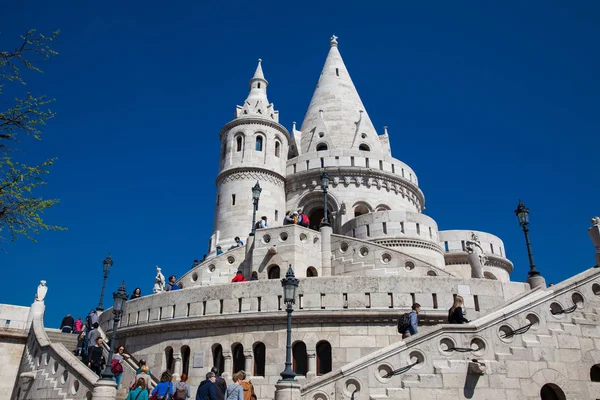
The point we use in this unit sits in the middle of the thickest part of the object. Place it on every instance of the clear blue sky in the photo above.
(487, 103)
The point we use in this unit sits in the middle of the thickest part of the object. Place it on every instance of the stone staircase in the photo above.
(69, 340)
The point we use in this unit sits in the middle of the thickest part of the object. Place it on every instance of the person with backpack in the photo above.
(91, 319)
(164, 389)
(139, 392)
(116, 365)
(235, 391)
(303, 220)
(182, 388)
(408, 323)
(247, 385)
(455, 313)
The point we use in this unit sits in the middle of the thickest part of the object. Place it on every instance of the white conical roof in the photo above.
(257, 104)
(336, 114)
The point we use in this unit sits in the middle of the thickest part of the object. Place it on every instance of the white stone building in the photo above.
(380, 255)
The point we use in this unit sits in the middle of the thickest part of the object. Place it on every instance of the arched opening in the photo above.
(489, 275)
(316, 216)
(185, 359)
(361, 209)
(273, 272)
(277, 149)
(299, 358)
(431, 273)
(550, 391)
(259, 143)
(312, 206)
(383, 207)
(259, 359)
(239, 143)
(364, 147)
(323, 357)
(218, 359)
(322, 147)
(169, 361)
(311, 272)
(239, 361)
(595, 373)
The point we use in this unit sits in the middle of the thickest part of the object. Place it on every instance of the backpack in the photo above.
(257, 225)
(248, 389)
(403, 323)
(305, 219)
(116, 367)
(180, 392)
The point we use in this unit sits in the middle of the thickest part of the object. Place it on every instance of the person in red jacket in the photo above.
(239, 277)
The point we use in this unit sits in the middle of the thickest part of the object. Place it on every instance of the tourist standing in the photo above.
(171, 285)
(117, 364)
(263, 222)
(92, 335)
(136, 293)
(288, 219)
(455, 313)
(143, 374)
(78, 325)
(247, 385)
(220, 384)
(67, 324)
(96, 360)
(239, 277)
(91, 318)
(164, 386)
(207, 389)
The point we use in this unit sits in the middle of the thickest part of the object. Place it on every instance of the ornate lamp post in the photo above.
(325, 186)
(255, 196)
(522, 213)
(107, 264)
(290, 284)
(120, 297)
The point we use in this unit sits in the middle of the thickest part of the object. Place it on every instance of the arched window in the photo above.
(239, 143)
(595, 373)
(431, 273)
(383, 207)
(299, 358)
(239, 361)
(277, 149)
(489, 275)
(322, 147)
(311, 272)
(550, 391)
(169, 359)
(364, 147)
(259, 359)
(218, 359)
(273, 272)
(185, 359)
(259, 143)
(323, 357)
(361, 209)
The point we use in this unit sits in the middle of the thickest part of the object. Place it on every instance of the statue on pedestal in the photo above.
(594, 233)
(475, 255)
(159, 281)
(41, 292)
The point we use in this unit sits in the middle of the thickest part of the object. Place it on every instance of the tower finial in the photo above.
(333, 41)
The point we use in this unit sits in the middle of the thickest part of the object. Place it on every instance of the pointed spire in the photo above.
(257, 104)
(259, 72)
(337, 105)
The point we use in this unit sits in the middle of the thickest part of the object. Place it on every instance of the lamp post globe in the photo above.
(522, 214)
(119, 297)
(256, 189)
(325, 186)
(290, 285)
(106, 267)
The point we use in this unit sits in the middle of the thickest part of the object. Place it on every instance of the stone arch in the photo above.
(259, 352)
(489, 275)
(595, 373)
(237, 357)
(239, 140)
(259, 141)
(169, 360)
(382, 207)
(277, 148)
(312, 205)
(185, 359)
(273, 271)
(218, 358)
(299, 358)
(311, 272)
(323, 357)
(364, 147)
(550, 391)
(551, 379)
(361, 208)
(322, 146)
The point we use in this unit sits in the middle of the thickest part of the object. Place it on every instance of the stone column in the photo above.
(248, 362)
(594, 233)
(227, 372)
(326, 232)
(287, 391)
(104, 390)
(177, 366)
(312, 366)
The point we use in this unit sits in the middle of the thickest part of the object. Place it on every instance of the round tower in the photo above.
(254, 148)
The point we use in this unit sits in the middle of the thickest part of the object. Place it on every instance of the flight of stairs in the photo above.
(69, 340)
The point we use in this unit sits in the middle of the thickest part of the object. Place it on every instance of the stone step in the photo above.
(69, 340)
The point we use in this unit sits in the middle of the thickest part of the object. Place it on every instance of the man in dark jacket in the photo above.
(220, 384)
(67, 324)
(207, 388)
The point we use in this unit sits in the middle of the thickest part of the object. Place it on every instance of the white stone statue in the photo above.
(595, 221)
(594, 233)
(41, 292)
(159, 281)
(475, 255)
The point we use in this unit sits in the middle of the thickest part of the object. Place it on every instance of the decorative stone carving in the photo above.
(159, 281)
(343, 208)
(41, 292)
(594, 233)
(253, 176)
(475, 256)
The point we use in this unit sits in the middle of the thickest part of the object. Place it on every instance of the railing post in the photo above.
(104, 390)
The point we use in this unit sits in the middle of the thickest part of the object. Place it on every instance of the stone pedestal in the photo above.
(312, 366)
(326, 232)
(37, 309)
(177, 367)
(104, 390)
(227, 367)
(536, 281)
(287, 391)
(476, 267)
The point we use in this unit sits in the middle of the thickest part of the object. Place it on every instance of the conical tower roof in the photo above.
(257, 104)
(336, 115)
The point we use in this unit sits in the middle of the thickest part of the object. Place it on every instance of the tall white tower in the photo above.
(254, 147)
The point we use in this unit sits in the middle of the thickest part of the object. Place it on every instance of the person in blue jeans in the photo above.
(414, 321)
(120, 356)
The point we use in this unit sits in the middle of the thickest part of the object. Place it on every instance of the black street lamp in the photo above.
(325, 186)
(290, 284)
(522, 213)
(120, 297)
(255, 196)
(107, 264)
